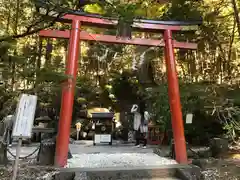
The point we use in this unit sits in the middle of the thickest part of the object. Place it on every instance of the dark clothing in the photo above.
(8, 128)
(140, 137)
(143, 120)
(10, 136)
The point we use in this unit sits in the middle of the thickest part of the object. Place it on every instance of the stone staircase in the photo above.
(127, 175)
(169, 172)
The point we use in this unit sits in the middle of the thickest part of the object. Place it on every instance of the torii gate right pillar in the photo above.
(174, 100)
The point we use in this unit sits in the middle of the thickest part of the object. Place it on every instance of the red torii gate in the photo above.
(75, 35)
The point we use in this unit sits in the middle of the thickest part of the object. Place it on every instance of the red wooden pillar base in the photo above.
(174, 100)
(68, 97)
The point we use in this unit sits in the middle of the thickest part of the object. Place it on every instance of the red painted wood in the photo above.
(93, 21)
(68, 96)
(113, 39)
(174, 100)
(138, 25)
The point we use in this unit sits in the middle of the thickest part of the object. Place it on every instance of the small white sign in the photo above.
(189, 118)
(25, 116)
(105, 138)
(102, 138)
(97, 138)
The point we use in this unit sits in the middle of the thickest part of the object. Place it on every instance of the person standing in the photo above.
(140, 123)
(8, 128)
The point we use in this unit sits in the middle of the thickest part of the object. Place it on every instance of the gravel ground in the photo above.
(222, 169)
(117, 160)
(27, 171)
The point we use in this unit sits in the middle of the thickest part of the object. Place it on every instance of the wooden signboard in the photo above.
(24, 116)
(23, 125)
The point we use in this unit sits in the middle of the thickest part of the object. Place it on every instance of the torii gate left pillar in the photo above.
(67, 100)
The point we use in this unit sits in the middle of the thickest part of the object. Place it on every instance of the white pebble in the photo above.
(105, 160)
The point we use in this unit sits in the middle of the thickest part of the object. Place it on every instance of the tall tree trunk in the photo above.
(6, 77)
(15, 51)
(48, 53)
(8, 19)
(236, 15)
(230, 51)
(38, 64)
(193, 65)
(66, 53)
(34, 61)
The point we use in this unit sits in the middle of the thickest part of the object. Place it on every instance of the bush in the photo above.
(211, 105)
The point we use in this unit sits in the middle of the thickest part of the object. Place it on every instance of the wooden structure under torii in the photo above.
(75, 35)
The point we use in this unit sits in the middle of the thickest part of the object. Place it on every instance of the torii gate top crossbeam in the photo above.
(138, 24)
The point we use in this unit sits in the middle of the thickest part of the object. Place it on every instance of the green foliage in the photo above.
(125, 88)
(189, 10)
(211, 105)
(50, 76)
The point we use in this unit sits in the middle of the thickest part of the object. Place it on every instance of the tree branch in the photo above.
(27, 33)
(30, 31)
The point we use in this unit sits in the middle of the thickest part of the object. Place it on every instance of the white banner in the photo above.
(189, 118)
(25, 114)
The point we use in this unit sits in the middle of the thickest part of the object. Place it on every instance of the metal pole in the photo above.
(18, 152)
(174, 100)
(68, 96)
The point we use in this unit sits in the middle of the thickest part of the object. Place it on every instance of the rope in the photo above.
(25, 157)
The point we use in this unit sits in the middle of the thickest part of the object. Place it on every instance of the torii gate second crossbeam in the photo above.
(75, 35)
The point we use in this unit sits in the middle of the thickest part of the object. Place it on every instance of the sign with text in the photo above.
(189, 118)
(105, 138)
(24, 116)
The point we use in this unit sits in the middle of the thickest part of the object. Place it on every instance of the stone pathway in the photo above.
(87, 155)
(113, 158)
(106, 160)
(118, 156)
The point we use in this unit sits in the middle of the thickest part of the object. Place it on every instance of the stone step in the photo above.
(122, 178)
(169, 178)
(129, 175)
(168, 172)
